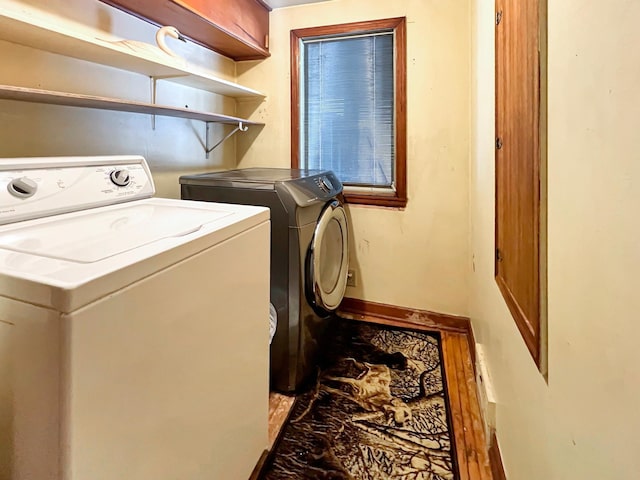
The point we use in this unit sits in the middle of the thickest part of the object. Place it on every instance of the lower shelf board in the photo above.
(35, 95)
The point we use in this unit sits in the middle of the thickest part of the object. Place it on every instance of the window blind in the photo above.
(347, 110)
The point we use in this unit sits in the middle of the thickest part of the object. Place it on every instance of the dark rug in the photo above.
(377, 411)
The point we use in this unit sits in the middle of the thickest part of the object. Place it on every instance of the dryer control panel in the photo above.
(315, 188)
(324, 184)
(39, 187)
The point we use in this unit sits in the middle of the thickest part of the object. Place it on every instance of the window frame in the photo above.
(398, 197)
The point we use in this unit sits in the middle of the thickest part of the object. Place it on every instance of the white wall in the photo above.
(417, 257)
(584, 423)
(173, 148)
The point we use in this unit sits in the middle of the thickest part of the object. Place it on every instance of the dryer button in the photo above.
(327, 185)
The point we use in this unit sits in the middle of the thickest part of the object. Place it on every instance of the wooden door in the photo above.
(517, 265)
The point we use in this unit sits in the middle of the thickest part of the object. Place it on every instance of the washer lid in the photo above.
(94, 236)
(67, 261)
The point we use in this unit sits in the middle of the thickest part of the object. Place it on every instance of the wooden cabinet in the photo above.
(520, 220)
(238, 29)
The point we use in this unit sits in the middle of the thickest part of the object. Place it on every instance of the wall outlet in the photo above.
(352, 279)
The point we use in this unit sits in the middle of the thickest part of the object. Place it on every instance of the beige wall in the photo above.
(581, 425)
(173, 148)
(584, 423)
(417, 257)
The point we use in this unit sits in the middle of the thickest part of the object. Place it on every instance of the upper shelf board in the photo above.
(35, 95)
(45, 33)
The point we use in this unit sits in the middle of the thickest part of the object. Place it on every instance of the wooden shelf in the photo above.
(44, 31)
(35, 95)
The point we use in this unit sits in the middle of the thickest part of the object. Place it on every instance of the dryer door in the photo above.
(328, 259)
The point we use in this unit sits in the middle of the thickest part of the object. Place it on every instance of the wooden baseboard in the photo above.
(497, 468)
(354, 308)
(471, 338)
(351, 307)
(257, 470)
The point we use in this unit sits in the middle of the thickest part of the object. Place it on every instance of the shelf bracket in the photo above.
(241, 127)
(154, 88)
(153, 100)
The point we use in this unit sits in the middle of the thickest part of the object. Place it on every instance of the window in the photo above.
(348, 97)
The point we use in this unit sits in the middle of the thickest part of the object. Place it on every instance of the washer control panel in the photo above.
(39, 187)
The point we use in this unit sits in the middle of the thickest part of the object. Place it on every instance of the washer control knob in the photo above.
(120, 177)
(22, 187)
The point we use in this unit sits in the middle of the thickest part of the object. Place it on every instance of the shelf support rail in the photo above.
(241, 127)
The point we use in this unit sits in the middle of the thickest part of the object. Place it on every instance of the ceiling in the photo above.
(289, 3)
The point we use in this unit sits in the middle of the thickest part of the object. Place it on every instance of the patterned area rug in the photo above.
(378, 411)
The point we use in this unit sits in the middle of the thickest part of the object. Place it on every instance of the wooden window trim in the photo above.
(398, 198)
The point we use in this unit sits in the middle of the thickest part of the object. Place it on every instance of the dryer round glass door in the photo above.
(329, 258)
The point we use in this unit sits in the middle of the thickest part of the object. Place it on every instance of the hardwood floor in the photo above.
(471, 447)
(473, 457)
(279, 407)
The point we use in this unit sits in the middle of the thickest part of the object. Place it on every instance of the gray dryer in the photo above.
(309, 255)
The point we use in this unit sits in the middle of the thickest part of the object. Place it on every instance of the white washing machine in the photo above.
(133, 330)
